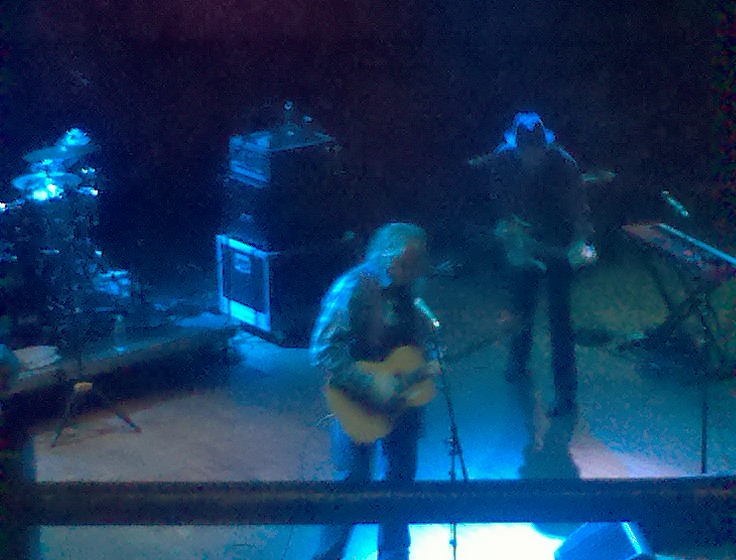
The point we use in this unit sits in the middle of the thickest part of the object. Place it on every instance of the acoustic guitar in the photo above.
(365, 424)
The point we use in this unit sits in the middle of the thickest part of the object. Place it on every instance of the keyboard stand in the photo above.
(697, 305)
(699, 287)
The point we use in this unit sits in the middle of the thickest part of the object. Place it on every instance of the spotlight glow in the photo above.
(474, 542)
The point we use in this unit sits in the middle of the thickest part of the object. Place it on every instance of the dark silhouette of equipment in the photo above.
(285, 234)
(280, 191)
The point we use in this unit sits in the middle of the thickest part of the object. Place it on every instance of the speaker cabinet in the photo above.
(278, 294)
(605, 541)
(281, 188)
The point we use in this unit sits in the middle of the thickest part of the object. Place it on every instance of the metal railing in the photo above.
(678, 501)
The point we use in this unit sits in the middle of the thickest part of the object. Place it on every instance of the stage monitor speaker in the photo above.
(278, 294)
(605, 541)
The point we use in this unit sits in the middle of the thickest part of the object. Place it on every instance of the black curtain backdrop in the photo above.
(410, 90)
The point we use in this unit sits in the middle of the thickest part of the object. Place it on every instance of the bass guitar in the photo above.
(365, 424)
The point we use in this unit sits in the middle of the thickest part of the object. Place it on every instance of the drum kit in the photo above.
(56, 194)
(47, 231)
(53, 167)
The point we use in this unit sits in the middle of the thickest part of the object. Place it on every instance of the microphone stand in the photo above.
(455, 448)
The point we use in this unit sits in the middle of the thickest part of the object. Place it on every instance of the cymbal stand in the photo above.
(77, 278)
(77, 268)
(454, 445)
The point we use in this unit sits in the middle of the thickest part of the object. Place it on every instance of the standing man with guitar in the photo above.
(544, 230)
(369, 341)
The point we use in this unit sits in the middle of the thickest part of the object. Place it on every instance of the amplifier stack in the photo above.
(283, 237)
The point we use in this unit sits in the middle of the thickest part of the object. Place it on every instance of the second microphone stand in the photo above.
(454, 445)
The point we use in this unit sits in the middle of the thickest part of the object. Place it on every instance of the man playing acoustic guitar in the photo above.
(370, 342)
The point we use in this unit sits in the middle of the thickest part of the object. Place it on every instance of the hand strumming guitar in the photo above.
(392, 391)
(386, 391)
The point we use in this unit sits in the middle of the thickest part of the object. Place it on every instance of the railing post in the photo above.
(17, 540)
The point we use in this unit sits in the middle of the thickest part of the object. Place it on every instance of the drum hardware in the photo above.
(44, 180)
(57, 153)
(88, 191)
(5, 252)
(50, 252)
(9, 206)
(75, 137)
(115, 283)
(50, 237)
(72, 145)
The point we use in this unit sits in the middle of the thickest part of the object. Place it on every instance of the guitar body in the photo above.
(366, 425)
(523, 251)
(519, 246)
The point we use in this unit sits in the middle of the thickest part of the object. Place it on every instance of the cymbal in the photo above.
(34, 181)
(58, 153)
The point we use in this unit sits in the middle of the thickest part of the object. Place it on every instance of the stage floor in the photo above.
(261, 416)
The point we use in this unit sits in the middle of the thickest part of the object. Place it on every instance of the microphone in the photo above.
(675, 204)
(424, 309)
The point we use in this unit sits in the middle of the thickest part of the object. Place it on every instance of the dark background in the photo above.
(410, 89)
